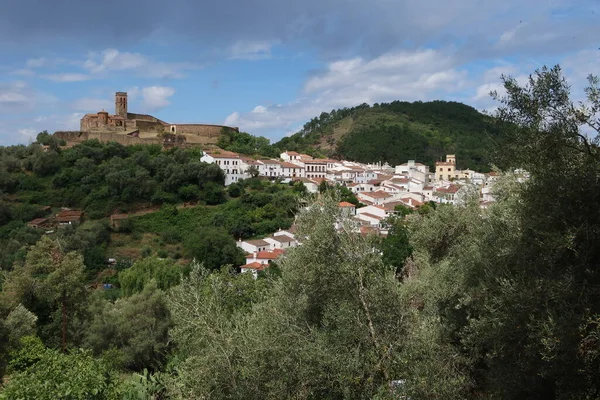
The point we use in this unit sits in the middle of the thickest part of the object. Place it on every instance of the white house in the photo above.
(253, 268)
(253, 246)
(413, 169)
(375, 198)
(347, 209)
(231, 163)
(281, 241)
(373, 215)
(289, 156)
(290, 170)
(270, 168)
(264, 257)
(315, 168)
(310, 185)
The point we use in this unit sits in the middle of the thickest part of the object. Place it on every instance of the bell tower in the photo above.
(121, 104)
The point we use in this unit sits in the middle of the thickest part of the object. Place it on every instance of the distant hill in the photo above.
(398, 131)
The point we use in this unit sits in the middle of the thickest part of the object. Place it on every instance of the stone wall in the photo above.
(149, 126)
(74, 137)
(209, 134)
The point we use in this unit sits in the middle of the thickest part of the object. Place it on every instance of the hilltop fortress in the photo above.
(130, 128)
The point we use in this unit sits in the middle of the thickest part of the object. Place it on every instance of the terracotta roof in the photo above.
(449, 189)
(290, 165)
(380, 194)
(38, 221)
(427, 187)
(346, 204)
(443, 163)
(69, 215)
(412, 202)
(267, 255)
(315, 162)
(375, 182)
(255, 265)
(222, 154)
(292, 153)
(377, 217)
(399, 180)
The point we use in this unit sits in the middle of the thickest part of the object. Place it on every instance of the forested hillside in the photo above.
(399, 131)
(457, 302)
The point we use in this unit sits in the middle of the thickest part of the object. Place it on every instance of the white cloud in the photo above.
(112, 60)
(19, 97)
(36, 62)
(252, 50)
(156, 97)
(68, 77)
(417, 75)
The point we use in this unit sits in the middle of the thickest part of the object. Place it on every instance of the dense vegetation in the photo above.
(398, 131)
(102, 179)
(457, 302)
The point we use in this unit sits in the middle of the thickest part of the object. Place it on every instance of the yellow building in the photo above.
(446, 170)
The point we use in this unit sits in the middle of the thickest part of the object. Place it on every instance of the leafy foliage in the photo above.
(398, 131)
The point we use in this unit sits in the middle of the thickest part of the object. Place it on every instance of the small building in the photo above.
(281, 241)
(379, 197)
(253, 268)
(347, 209)
(68, 217)
(446, 170)
(39, 223)
(253, 246)
(264, 257)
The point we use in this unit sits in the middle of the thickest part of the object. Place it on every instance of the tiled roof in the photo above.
(346, 204)
(380, 194)
(267, 255)
(69, 215)
(223, 154)
(377, 217)
(38, 221)
(290, 165)
(255, 265)
(257, 242)
(283, 238)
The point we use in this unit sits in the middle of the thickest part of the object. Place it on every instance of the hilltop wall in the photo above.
(147, 126)
(74, 137)
(201, 129)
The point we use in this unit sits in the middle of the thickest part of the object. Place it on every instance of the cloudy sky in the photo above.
(268, 66)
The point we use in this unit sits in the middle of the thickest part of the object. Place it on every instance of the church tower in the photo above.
(121, 104)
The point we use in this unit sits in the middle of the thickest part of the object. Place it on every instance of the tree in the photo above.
(395, 246)
(164, 273)
(20, 323)
(253, 171)
(213, 247)
(333, 294)
(506, 298)
(136, 326)
(54, 375)
(49, 278)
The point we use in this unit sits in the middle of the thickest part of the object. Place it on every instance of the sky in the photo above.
(269, 66)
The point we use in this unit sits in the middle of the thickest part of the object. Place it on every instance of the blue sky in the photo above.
(268, 66)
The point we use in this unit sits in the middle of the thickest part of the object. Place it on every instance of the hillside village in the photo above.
(380, 188)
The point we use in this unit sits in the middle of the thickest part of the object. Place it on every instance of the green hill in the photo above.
(398, 131)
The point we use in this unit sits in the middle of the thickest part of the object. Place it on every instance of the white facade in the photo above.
(253, 246)
(231, 164)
